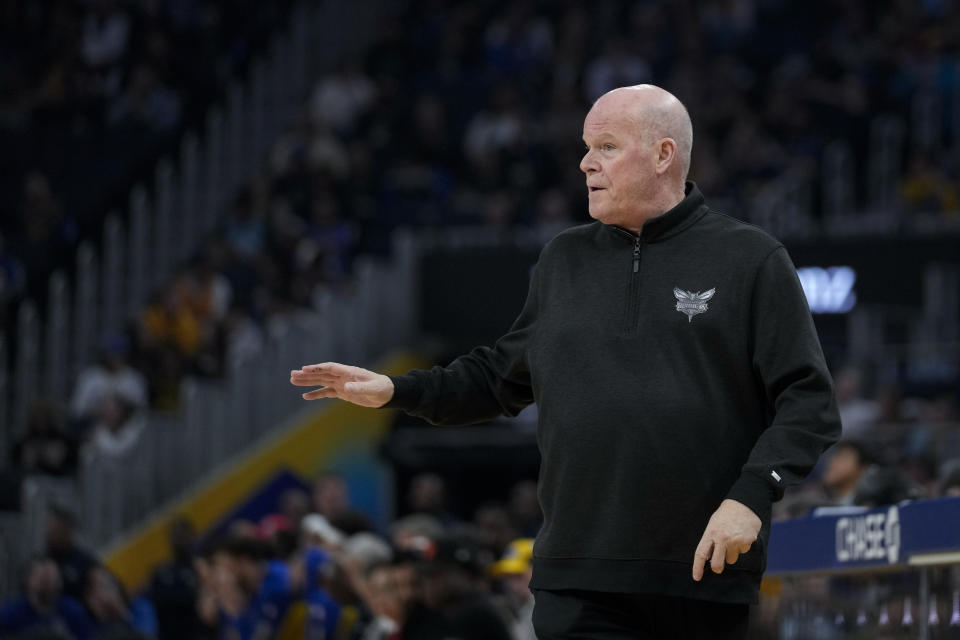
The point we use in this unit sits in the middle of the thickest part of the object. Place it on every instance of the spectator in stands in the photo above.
(45, 448)
(282, 528)
(347, 579)
(928, 189)
(525, 508)
(208, 293)
(331, 499)
(147, 102)
(13, 281)
(342, 98)
(117, 430)
(359, 552)
(514, 571)
(277, 531)
(415, 532)
(857, 414)
(950, 479)
(323, 611)
(170, 323)
(383, 602)
(495, 527)
(106, 33)
(43, 608)
(111, 375)
(294, 506)
(453, 593)
(406, 578)
(330, 495)
(885, 484)
(242, 589)
(320, 534)
(173, 586)
(244, 336)
(113, 612)
(61, 546)
(846, 465)
(46, 237)
(245, 231)
(170, 338)
(428, 495)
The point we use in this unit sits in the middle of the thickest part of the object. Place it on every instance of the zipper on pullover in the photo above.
(631, 320)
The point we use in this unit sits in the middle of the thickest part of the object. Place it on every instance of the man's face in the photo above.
(43, 584)
(406, 580)
(844, 466)
(517, 586)
(59, 532)
(619, 163)
(330, 496)
(382, 590)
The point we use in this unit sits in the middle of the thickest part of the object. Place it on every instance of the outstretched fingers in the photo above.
(301, 379)
(326, 374)
(317, 394)
(701, 557)
(332, 369)
(719, 557)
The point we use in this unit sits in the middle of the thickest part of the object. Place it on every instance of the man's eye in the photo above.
(608, 147)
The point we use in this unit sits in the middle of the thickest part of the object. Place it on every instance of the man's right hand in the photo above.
(353, 384)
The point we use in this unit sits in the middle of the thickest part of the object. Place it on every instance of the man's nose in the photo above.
(588, 165)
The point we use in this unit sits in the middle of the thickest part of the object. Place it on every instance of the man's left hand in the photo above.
(732, 530)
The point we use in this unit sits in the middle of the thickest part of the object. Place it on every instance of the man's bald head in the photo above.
(659, 114)
(638, 154)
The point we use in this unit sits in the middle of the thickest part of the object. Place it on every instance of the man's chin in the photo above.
(599, 214)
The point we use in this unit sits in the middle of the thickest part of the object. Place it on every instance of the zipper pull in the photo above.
(636, 255)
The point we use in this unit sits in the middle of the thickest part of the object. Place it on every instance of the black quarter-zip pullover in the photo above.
(671, 370)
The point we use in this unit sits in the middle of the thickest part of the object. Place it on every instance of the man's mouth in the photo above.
(592, 189)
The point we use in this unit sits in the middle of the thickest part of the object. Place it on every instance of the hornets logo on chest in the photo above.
(691, 303)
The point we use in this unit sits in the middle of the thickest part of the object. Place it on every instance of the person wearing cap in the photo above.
(680, 388)
(73, 561)
(455, 604)
(514, 570)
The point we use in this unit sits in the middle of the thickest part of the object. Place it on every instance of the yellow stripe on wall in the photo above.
(306, 446)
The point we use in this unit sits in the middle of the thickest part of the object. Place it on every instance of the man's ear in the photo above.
(666, 154)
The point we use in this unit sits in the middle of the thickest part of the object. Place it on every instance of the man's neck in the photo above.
(659, 206)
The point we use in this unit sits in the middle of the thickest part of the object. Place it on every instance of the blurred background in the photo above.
(197, 196)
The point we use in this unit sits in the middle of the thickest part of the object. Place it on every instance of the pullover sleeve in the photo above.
(789, 364)
(481, 385)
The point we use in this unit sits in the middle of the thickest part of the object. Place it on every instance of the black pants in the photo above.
(594, 615)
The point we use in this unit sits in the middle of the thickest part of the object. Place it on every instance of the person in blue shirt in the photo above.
(44, 608)
(244, 593)
(112, 611)
(323, 612)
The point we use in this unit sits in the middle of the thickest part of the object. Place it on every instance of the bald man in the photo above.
(680, 385)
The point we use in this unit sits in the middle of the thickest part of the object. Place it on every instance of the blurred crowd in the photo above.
(470, 112)
(93, 91)
(894, 447)
(317, 568)
(457, 113)
(312, 570)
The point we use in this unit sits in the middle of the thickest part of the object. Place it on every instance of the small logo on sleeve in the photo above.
(692, 303)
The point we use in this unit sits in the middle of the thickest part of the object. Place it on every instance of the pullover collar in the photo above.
(683, 215)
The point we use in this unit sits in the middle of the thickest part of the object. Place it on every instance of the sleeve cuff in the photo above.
(406, 393)
(754, 492)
